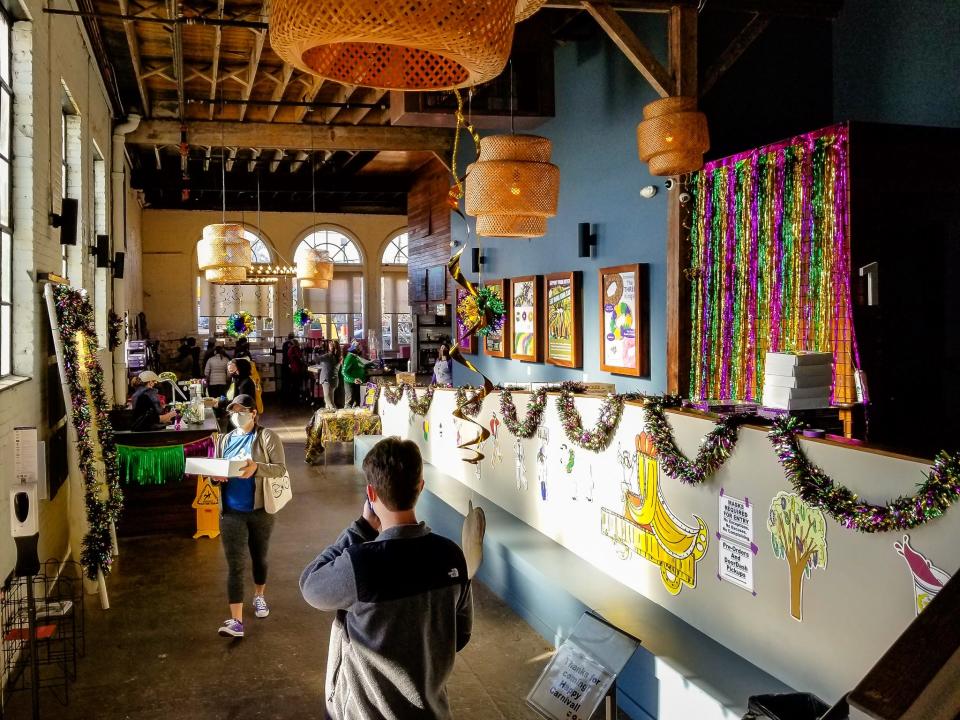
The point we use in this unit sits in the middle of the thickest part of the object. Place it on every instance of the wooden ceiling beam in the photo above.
(293, 136)
(252, 163)
(826, 9)
(133, 45)
(354, 116)
(309, 95)
(298, 160)
(215, 66)
(231, 158)
(277, 158)
(255, 53)
(341, 95)
(744, 39)
(279, 90)
(176, 44)
(637, 53)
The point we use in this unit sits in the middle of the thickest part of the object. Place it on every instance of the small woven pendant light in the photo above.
(673, 136)
(526, 8)
(224, 254)
(314, 284)
(314, 266)
(513, 187)
(395, 44)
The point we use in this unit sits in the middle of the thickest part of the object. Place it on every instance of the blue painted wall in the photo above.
(600, 98)
(896, 62)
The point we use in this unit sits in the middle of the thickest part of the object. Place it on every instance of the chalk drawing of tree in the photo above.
(799, 536)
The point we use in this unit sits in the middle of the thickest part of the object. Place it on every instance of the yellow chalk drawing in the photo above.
(648, 528)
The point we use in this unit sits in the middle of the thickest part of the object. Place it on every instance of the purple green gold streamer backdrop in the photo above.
(770, 265)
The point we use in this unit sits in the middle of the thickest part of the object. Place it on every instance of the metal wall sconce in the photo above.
(587, 240)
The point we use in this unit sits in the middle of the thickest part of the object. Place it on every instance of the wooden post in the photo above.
(683, 68)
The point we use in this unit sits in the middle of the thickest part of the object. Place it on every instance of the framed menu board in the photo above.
(564, 344)
(495, 344)
(624, 320)
(525, 303)
(468, 346)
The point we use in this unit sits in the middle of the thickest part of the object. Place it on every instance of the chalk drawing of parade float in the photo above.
(648, 528)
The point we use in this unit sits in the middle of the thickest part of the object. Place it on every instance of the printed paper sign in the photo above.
(736, 542)
(572, 685)
(25, 458)
(736, 519)
(736, 564)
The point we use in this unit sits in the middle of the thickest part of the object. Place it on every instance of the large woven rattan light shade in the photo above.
(673, 136)
(316, 284)
(526, 8)
(224, 254)
(314, 266)
(395, 44)
(513, 187)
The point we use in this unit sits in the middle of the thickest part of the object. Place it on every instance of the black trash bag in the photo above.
(786, 706)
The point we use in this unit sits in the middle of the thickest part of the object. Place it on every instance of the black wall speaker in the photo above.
(67, 221)
(103, 251)
(588, 240)
(118, 265)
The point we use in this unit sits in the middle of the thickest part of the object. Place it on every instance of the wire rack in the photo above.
(47, 609)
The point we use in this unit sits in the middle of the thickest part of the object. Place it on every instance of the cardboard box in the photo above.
(793, 363)
(213, 467)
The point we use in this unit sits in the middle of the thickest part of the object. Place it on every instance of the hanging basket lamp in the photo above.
(513, 187)
(395, 44)
(314, 284)
(223, 254)
(526, 8)
(314, 267)
(673, 136)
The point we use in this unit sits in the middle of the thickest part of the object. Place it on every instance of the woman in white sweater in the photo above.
(215, 372)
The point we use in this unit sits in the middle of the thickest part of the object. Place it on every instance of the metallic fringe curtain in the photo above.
(770, 265)
(159, 465)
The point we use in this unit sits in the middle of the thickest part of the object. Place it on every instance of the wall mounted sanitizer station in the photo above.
(582, 674)
(25, 526)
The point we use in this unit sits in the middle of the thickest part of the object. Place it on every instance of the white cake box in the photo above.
(795, 363)
(795, 398)
(803, 377)
(214, 467)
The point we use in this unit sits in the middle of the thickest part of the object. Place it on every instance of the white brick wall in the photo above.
(43, 64)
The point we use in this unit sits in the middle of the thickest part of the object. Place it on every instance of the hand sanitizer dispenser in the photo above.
(25, 526)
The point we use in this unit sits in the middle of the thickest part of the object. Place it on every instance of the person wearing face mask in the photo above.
(245, 526)
(148, 411)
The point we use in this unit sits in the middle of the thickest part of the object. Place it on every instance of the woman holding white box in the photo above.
(244, 523)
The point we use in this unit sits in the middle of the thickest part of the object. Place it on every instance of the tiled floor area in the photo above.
(156, 654)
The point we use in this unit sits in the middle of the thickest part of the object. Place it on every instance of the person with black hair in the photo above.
(403, 601)
(242, 349)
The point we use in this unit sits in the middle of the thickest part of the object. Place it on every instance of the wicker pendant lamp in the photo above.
(673, 136)
(314, 266)
(526, 8)
(395, 44)
(513, 187)
(224, 254)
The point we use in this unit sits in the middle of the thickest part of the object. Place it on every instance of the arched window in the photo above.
(395, 319)
(341, 248)
(338, 310)
(396, 251)
(261, 253)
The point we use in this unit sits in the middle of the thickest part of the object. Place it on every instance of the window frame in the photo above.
(6, 229)
(333, 250)
(393, 245)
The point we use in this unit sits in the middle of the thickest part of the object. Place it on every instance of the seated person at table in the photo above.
(148, 411)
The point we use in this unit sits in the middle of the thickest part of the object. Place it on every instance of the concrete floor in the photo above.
(156, 654)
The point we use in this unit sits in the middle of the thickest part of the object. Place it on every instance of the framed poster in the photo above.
(624, 320)
(564, 322)
(495, 344)
(525, 302)
(468, 346)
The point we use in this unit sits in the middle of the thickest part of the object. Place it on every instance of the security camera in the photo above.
(684, 198)
(669, 183)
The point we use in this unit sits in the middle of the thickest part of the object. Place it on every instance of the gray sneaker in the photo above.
(260, 607)
(231, 628)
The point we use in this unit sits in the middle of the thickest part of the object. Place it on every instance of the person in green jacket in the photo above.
(354, 371)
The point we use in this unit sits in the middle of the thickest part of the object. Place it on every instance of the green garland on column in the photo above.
(89, 409)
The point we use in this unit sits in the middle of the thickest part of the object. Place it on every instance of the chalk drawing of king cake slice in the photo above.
(648, 527)
(928, 579)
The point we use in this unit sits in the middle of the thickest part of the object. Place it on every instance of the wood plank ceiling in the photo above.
(183, 62)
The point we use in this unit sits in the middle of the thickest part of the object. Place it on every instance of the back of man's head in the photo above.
(393, 467)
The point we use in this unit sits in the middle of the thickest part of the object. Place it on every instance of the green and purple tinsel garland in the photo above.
(527, 427)
(241, 324)
(472, 406)
(600, 437)
(937, 493)
(715, 447)
(75, 318)
(302, 317)
(419, 406)
(114, 328)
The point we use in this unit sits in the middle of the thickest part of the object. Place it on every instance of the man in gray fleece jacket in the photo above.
(403, 600)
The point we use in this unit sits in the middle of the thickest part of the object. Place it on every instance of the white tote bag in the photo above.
(276, 493)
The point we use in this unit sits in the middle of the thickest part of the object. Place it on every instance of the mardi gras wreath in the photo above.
(486, 302)
(241, 324)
